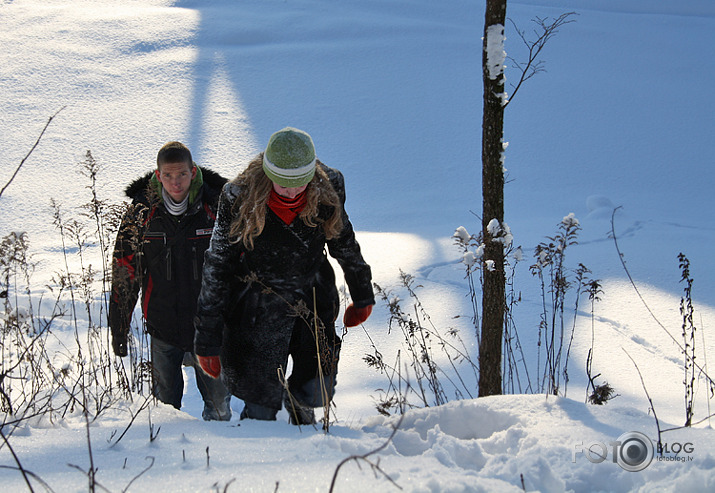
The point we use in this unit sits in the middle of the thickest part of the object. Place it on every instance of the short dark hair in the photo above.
(174, 152)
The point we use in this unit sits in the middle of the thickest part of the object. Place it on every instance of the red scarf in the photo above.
(285, 208)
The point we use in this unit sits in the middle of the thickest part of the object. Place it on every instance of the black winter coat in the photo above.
(246, 311)
(163, 255)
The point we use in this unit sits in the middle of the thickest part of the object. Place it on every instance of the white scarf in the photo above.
(175, 208)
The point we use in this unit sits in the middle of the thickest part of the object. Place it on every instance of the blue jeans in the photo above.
(168, 381)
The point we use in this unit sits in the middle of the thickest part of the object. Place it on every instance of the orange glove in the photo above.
(355, 316)
(211, 365)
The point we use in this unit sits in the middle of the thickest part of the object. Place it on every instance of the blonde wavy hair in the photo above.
(249, 210)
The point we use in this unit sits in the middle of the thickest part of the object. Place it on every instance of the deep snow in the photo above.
(391, 93)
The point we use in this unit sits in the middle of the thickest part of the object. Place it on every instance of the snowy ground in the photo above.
(391, 93)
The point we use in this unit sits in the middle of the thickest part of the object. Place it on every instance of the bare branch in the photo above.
(144, 405)
(32, 149)
(17, 461)
(364, 457)
(90, 474)
(31, 474)
(543, 34)
(621, 257)
(657, 423)
(126, 488)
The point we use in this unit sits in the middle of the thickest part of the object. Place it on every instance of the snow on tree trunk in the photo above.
(493, 293)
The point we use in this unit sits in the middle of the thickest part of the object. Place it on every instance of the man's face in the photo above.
(176, 179)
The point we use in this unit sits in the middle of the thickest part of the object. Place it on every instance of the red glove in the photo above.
(355, 316)
(211, 365)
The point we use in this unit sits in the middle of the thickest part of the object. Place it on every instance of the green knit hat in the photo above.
(289, 158)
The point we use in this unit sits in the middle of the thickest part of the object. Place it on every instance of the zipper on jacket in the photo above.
(196, 263)
(151, 235)
(163, 236)
(168, 264)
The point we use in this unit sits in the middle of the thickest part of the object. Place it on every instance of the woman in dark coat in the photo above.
(266, 277)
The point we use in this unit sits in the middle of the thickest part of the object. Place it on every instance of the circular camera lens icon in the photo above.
(636, 451)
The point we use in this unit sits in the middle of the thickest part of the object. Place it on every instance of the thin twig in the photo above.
(532, 66)
(705, 358)
(140, 474)
(321, 377)
(92, 470)
(706, 418)
(74, 466)
(17, 460)
(31, 474)
(657, 423)
(144, 405)
(364, 457)
(32, 149)
(640, 296)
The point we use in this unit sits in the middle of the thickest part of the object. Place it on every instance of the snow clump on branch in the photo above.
(570, 220)
(500, 232)
(461, 234)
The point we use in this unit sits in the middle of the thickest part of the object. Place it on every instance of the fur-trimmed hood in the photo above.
(204, 176)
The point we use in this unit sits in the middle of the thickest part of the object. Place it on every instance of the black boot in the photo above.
(256, 411)
(298, 414)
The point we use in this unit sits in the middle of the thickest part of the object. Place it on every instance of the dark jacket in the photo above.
(248, 301)
(163, 255)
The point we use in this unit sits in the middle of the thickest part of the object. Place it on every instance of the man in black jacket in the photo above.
(160, 248)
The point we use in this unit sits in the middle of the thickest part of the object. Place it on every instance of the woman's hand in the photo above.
(211, 365)
(355, 316)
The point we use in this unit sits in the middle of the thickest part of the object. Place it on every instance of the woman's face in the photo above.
(289, 192)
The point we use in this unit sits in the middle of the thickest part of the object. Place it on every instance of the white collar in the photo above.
(174, 208)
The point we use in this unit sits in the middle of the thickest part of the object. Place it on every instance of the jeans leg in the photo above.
(315, 392)
(167, 377)
(305, 383)
(217, 400)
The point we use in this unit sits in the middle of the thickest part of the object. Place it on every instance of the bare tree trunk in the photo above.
(493, 297)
